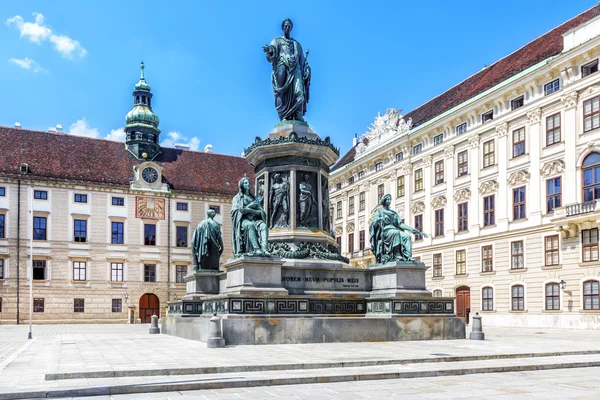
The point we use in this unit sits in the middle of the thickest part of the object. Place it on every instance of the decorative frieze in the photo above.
(488, 187)
(350, 227)
(339, 230)
(427, 160)
(417, 207)
(407, 169)
(438, 202)
(449, 151)
(519, 178)
(502, 129)
(569, 100)
(462, 195)
(474, 141)
(554, 167)
(534, 116)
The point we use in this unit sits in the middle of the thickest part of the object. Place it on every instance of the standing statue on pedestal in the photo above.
(390, 240)
(279, 202)
(207, 243)
(250, 233)
(306, 201)
(291, 74)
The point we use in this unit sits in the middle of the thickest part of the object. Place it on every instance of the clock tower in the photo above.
(142, 123)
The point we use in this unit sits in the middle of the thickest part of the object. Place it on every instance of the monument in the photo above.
(287, 281)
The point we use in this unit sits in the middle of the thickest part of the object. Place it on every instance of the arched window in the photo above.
(437, 293)
(137, 99)
(591, 177)
(518, 298)
(144, 99)
(487, 299)
(590, 295)
(552, 296)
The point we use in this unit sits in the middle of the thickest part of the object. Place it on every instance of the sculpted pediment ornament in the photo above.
(350, 227)
(449, 151)
(417, 207)
(591, 90)
(462, 194)
(553, 168)
(474, 141)
(488, 187)
(407, 169)
(339, 230)
(427, 161)
(400, 210)
(534, 116)
(518, 178)
(569, 100)
(438, 202)
(502, 129)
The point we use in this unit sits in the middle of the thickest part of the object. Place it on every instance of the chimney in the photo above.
(355, 140)
(181, 146)
(18, 125)
(208, 148)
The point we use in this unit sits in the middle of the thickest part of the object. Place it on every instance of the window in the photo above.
(438, 139)
(553, 129)
(487, 258)
(80, 230)
(338, 241)
(489, 211)
(463, 162)
(517, 298)
(351, 180)
(461, 262)
(2, 234)
(117, 305)
(463, 217)
(182, 206)
(399, 156)
(2, 191)
(338, 186)
(339, 209)
(181, 236)
(216, 209)
(79, 271)
(361, 239)
(39, 270)
(590, 295)
(551, 87)
(488, 116)
(439, 172)
(351, 243)
(149, 234)
(118, 201)
(418, 226)
(553, 193)
(378, 166)
(462, 128)
(39, 228)
(437, 293)
(487, 299)
(180, 273)
(149, 272)
(40, 195)
(517, 103)
(78, 305)
(38, 305)
(117, 236)
(361, 174)
(1, 268)
(439, 222)
(417, 149)
(552, 296)
(361, 201)
(591, 114)
(437, 265)
(591, 177)
(380, 191)
(80, 198)
(351, 205)
(518, 142)
(589, 68)
(419, 180)
(400, 184)
(589, 240)
(488, 154)
(551, 250)
(116, 272)
(519, 203)
(517, 255)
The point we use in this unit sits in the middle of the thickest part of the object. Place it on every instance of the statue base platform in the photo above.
(254, 275)
(399, 278)
(201, 283)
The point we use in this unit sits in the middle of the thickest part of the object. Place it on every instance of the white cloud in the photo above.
(27, 63)
(82, 128)
(37, 32)
(118, 135)
(174, 137)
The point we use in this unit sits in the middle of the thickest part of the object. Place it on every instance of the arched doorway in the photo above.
(463, 302)
(149, 306)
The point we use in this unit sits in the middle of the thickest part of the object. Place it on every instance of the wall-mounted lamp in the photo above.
(563, 284)
(126, 296)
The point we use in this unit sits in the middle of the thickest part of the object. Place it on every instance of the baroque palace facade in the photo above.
(503, 172)
(104, 227)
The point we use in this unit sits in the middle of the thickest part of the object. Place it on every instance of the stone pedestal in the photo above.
(254, 275)
(201, 283)
(399, 278)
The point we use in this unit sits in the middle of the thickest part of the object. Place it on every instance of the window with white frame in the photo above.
(438, 139)
(551, 87)
(487, 299)
(589, 68)
(517, 103)
(517, 255)
(437, 293)
(552, 296)
(517, 297)
(79, 270)
(462, 128)
(488, 116)
(417, 148)
(590, 295)
(116, 272)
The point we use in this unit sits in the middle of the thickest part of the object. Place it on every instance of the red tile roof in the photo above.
(532, 53)
(61, 157)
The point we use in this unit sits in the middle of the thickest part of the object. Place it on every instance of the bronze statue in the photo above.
(291, 74)
(207, 243)
(250, 233)
(306, 201)
(390, 240)
(279, 202)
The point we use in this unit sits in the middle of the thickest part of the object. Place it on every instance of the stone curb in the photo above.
(238, 383)
(286, 367)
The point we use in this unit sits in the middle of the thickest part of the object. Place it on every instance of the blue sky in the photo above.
(75, 62)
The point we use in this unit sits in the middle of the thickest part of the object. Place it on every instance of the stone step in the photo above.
(169, 383)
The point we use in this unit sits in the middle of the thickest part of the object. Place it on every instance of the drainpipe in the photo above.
(18, 245)
(168, 248)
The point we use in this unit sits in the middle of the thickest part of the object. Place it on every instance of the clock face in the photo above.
(149, 174)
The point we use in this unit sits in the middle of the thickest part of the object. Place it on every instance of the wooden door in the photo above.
(463, 302)
(149, 306)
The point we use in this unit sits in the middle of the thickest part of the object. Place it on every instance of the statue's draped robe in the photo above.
(306, 203)
(292, 95)
(389, 239)
(249, 230)
(207, 244)
(279, 205)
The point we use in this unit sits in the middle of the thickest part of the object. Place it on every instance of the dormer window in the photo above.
(399, 156)
(417, 148)
(462, 128)
(517, 103)
(551, 87)
(488, 116)
(361, 174)
(438, 139)
(589, 68)
(378, 166)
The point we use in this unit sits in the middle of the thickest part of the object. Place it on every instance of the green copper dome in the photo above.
(142, 114)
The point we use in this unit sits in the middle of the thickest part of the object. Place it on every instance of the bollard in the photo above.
(477, 332)
(154, 329)
(215, 336)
